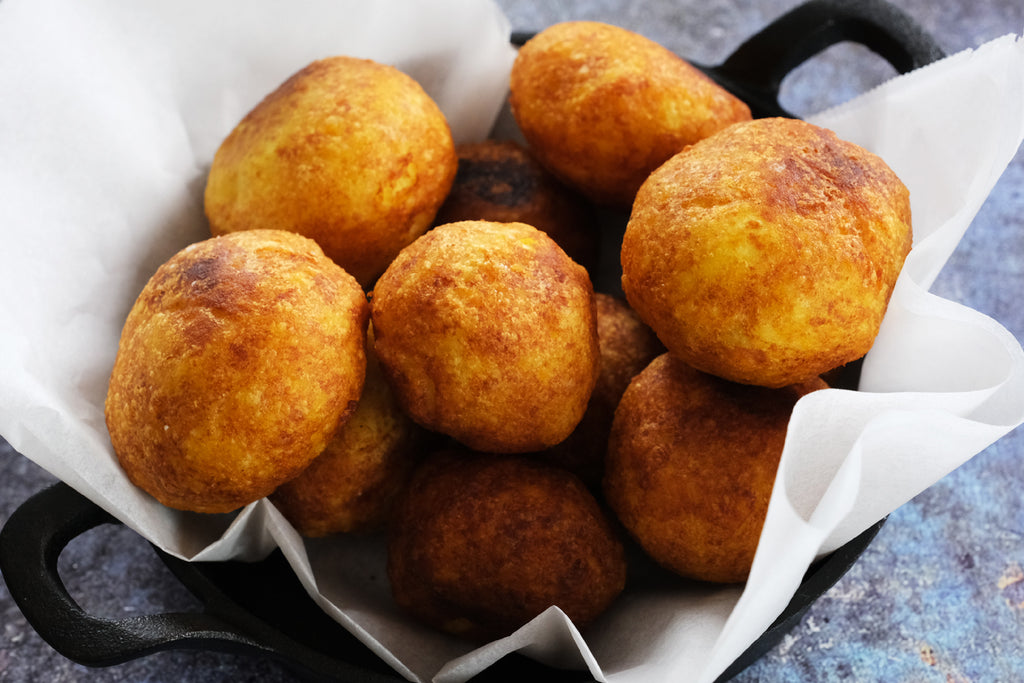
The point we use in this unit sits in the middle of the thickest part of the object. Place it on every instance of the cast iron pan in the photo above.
(241, 615)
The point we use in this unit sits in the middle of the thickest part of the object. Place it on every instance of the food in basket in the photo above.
(602, 106)
(238, 361)
(691, 464)
(349, 152)
(761, 252)
(627, 346)
(351, 487)
(482, 544)
(766, 253)
(486, 332)
(500, 180)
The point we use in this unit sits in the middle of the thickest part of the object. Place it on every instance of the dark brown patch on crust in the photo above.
(501, 181)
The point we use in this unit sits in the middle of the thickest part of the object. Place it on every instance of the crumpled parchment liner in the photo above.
(109, 122)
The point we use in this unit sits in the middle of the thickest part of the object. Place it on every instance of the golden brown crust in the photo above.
(238, 361)
(486, 331)
(691, 465)
(349, 152)
(766, 254)
(627, 346)
(351, 487)
(602, 106)
(501, 181)
(482, 544)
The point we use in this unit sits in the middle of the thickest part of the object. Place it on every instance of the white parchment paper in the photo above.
(109, 116)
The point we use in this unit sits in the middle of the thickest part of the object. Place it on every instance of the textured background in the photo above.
(939, 595)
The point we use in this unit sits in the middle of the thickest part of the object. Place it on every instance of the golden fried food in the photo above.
(501, 181)
(602, 106)
(482, 544)
(691, 465)
(237, 363)
(766, 254)
(627, 346)
(487, 333)
(351, 487)
(351, 153)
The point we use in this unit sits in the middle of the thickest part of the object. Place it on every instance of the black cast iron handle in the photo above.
(30, 545)
(756, 69)
(31, 542)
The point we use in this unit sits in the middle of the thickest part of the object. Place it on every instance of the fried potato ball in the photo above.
(487, 333)
(349, 152)
(501, 181)
(627, 346)
(481, 545)
(351, 487)
(602, 107)
(766, 254)
(238, 361)
(691, 465)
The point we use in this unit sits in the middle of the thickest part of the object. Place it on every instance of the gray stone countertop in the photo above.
(938, 596)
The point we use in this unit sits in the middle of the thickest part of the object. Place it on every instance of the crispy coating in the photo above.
(237, 363)
(481, 545)
(602, 106)
(501, 181)
(351, 487)
(349, 152)
(691, 465)
(487, 333)
(766, 254)
(627, 346)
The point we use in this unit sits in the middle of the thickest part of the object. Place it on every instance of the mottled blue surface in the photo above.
(938, 597)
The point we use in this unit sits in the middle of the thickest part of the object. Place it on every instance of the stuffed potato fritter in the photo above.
(349, 152)
(487, 333)
(481, 545)
(602, 106)
(501, 181)
(237, 363)
(691, 465)
(627, 347)
(351, 487)
(766, 254)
